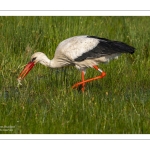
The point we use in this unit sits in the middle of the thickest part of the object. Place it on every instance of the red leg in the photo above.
(83, 84)
(91, 79)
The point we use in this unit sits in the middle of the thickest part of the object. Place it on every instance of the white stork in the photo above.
(82, 52)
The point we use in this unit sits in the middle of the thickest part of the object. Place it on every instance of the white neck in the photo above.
(52, 64)
(44, 60)
(49, 63)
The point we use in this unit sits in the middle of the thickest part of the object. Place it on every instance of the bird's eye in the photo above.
(33, 59)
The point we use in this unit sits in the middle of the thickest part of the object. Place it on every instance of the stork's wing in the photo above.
(105, 47)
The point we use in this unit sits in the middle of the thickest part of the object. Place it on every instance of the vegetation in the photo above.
(46, 103)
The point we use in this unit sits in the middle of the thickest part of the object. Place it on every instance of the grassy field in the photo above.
(45, 103)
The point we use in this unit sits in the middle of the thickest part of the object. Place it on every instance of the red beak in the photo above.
(26, 70)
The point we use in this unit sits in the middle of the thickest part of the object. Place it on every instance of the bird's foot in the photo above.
(88, 80)
(79, 86)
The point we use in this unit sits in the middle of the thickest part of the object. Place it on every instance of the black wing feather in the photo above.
(106, 47)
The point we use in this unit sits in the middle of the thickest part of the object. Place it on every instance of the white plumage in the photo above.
(82, 52)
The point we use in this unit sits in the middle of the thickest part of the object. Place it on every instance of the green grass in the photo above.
(45, 103)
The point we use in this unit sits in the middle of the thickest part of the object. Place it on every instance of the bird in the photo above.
(83, 51)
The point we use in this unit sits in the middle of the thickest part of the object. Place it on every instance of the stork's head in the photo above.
(37, 57)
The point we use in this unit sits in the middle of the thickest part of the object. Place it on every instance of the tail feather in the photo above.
(123, 47)
(114, 46)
